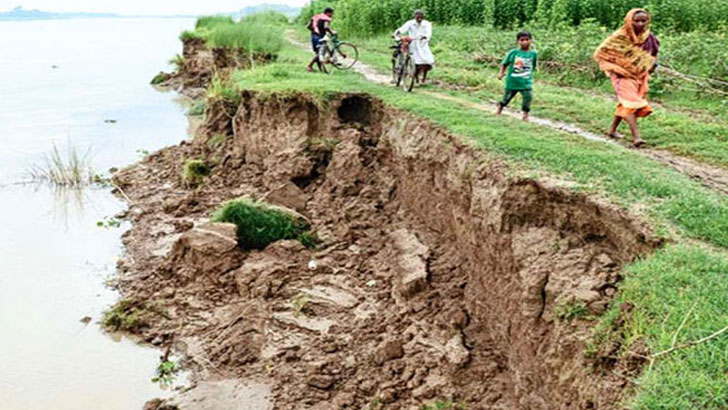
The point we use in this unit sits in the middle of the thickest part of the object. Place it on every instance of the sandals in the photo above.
(638, 143)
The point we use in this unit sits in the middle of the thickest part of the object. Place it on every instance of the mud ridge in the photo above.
(439, 277)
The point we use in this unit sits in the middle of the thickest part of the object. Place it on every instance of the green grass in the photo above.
(253, 38)
(125, 316)
(194, 171)
(72, 170)
(210, 22)
(678, 283)
(259, 224)
(663, 287)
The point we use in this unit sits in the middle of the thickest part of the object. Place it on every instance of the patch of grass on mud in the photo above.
(443, 405)
(260, 224)
(210, 22)
(125, 316)
(194, 171)
(253, 38)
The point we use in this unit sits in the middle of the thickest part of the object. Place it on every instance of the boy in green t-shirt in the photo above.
(520, 62)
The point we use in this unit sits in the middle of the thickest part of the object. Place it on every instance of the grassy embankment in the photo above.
(678, 293)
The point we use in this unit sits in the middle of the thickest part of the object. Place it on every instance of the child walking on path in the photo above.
(521, 63)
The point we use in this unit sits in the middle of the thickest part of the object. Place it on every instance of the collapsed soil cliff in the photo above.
(439, 275)
(200, 64)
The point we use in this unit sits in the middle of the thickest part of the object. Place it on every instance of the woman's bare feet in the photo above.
(615, 135)
(525, 117)
(499, 111)
(638, 142)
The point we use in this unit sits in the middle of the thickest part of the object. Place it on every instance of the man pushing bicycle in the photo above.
(416, 33)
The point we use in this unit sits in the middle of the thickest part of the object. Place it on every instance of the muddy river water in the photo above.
(60, 81)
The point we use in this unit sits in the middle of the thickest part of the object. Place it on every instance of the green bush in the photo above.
(269, 17)
(259, 224)
(253, 38)
(191, 34)
(194, 171)
(125, 316)
(210, 22)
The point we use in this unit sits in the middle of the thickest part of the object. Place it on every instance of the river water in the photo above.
(60, 81)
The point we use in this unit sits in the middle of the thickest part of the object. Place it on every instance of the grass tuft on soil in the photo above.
(194, 171)
(254, 38)
(125, 316)
(259, 224)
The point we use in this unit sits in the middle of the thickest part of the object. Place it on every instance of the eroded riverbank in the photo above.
(439, 276)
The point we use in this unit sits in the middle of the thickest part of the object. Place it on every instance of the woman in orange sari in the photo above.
(628, 57)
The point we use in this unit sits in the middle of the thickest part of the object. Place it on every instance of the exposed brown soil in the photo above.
(439, 276)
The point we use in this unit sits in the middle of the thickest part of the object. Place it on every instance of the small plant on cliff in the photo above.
(191, 34)
(166, 373)
(566, 312)
(220, 89)
(309, 239)
(299, 305)
(216, 141)
(260, 224)
(194, 171)
(178, 61)
(125, 316)
(159, 78)
(444, 405)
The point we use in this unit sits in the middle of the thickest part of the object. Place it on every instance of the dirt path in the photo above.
(712, 177)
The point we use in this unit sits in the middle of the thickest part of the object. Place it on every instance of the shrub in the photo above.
(194, 171)
(210, 22)
(253, 37)
(191, 34)
(159, 78)
(125, 316)
(267, 17)
(259, 224)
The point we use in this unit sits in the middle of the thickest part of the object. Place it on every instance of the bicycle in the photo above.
(404, 71)
(340, 54)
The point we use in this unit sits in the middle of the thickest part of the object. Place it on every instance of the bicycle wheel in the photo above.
(399, 73)
(323, 58)
(345, 55)
(408, 76)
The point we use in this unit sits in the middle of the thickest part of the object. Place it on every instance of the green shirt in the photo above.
(521, 65)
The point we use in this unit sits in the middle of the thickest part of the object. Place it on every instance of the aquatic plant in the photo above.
(73, 170)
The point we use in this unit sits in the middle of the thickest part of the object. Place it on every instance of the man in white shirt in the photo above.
(420, 31)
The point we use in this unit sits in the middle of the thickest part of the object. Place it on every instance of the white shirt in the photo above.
(420, 49)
